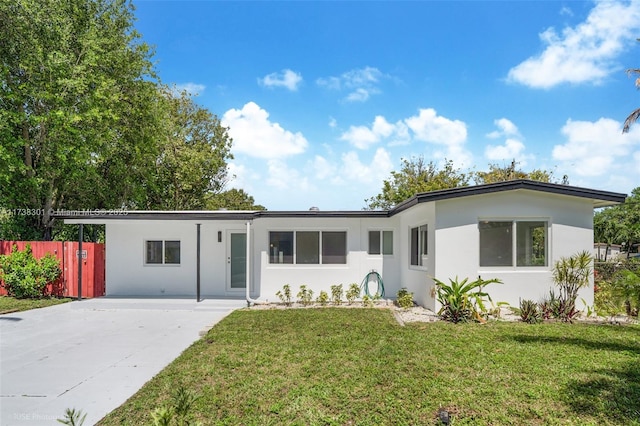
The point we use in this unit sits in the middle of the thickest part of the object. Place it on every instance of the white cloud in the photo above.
(362, 137)
(194, 89)
(373, 173)
(333, 123)
(585, 53)
(430, 127)
(512, 149)
(361, 83)
(286, 78)
(323, 168)
(282, 177)
(597, 148)
(253, 134)
(505, 128)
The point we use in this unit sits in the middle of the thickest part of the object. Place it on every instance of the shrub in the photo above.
(404, 298)
(570, 274)
(464, 300)
(323, 298)
(336, 294)
(24, 276)
(305, 295)
(178, 412)
(73, 417)
(353, 293)
(529, 312)
(285, 294)
(367, 301)
(626, 288)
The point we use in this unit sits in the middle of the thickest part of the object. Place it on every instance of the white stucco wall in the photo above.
(453, 242)
(457, 240)
(417, 279)
(272, 277)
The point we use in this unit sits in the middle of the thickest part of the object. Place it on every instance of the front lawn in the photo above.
(336, 366)
(11, 304)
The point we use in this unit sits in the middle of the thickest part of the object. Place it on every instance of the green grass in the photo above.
(359, 367)
(11, 304)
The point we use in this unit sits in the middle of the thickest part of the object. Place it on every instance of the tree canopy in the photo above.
(85, 122)
(417, 176)
(619, 224)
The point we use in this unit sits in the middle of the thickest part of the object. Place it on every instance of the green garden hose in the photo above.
(365, 285)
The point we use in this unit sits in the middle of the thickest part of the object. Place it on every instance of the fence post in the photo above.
(80, 262)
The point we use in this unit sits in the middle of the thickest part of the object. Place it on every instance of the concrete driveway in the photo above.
(93, 354)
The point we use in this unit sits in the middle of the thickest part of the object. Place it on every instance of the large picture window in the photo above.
(500, 239)
(309, 247)
(380, 242)
(159, 252)
(419, 246)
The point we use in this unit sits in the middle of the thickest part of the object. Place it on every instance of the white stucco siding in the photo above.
(417, 279)
(319, 277)
(458, 240)
(126, 272)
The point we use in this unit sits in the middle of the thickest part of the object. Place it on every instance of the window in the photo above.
(334, 247)
(499, 239)
(281, 247)
(380, 242)
(160, 252)
(310, 248)
(307, 248)
(419, 245)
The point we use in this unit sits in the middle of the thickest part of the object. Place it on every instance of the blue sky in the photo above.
(323, 99)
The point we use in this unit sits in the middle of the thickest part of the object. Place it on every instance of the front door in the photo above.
(237, 261)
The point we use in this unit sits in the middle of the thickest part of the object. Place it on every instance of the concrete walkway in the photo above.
(93, 354)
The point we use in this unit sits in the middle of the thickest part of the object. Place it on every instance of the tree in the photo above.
(232, 199)
(86, 124)
(76, 86)
(192, 160)
(620, 224)
(415, 177)
(497, 173)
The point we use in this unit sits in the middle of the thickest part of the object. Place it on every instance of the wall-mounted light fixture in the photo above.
(219, 236)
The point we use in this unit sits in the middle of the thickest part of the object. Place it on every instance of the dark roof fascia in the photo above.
(155, 215)
(600, 198)
(218, 215)
(324, 214)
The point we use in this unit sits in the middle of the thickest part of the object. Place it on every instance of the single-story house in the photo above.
(604, 251)
(512, 230)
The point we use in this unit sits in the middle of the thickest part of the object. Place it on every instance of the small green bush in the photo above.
(323, 298)
(305, 295)
(353, 293)
(24, 276)
(285, 294)
(336, 294)
(529, 312)
(404, 298)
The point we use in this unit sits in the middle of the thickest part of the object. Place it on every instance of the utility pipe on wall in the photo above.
(248, 267)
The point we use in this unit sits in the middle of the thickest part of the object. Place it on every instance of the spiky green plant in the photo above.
(463, 301)
(73, 417)
(571, 274)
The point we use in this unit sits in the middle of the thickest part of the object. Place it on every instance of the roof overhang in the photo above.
(111, 216)
(599, 198)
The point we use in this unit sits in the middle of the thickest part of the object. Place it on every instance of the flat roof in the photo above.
(600, 199)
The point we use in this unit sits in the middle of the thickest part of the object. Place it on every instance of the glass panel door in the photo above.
(237, 260)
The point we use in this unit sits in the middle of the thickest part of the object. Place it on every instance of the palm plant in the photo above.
(571, 274)
(635, 115)
(462, 300)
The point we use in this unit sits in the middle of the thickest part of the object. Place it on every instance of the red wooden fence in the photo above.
(93, 278)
